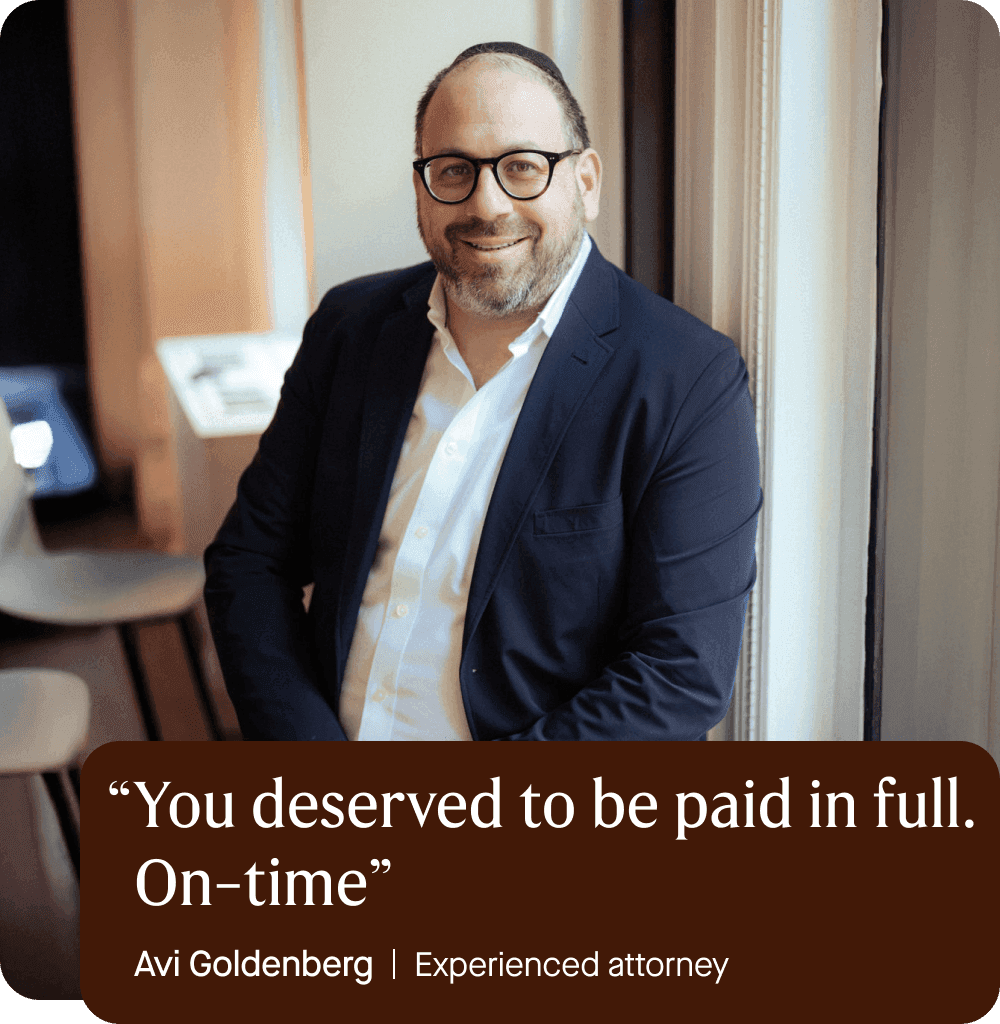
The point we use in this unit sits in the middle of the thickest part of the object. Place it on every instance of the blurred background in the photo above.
(183, 181)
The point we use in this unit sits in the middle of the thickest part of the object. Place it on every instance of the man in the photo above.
(524, 487)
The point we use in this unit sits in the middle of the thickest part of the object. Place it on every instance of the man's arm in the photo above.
(690, 568)
(258, 565)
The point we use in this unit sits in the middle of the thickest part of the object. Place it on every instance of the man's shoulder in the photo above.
(351, 315)
(377, 292)
(644, 322)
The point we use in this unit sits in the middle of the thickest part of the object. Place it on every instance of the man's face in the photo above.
(500, 256)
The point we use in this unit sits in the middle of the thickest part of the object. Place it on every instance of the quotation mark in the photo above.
(375, 866)
(114, 789)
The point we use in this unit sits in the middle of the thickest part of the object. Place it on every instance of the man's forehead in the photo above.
(484, 98)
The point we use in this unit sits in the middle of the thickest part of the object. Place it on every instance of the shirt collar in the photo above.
(546, 321)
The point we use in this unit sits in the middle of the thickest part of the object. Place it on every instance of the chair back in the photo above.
(43, 719)
(18, 531)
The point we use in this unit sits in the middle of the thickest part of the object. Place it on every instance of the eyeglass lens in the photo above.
(523, 175)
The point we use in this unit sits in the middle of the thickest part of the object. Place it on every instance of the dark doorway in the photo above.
(648, 45)
(41, 298)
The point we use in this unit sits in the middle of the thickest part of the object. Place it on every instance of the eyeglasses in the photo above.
(522, 173)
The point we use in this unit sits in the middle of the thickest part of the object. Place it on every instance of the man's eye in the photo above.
(454, 171)
(524, 170)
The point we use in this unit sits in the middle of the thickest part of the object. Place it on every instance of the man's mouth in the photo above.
(490, 246)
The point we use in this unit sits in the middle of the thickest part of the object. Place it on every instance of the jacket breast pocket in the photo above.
(579, 519)
(570, 579)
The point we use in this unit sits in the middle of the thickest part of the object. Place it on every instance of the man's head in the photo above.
(530, 62)
(498, 255)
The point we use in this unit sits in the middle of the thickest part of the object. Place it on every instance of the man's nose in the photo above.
(488, 199)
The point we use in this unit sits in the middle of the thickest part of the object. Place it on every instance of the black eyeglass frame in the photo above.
(553, 158)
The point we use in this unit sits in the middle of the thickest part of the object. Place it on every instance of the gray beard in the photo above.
(495, 292)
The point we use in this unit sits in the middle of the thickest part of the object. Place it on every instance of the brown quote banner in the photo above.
(787, 881)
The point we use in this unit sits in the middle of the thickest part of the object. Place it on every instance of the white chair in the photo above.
(43, 719)
(93, 587)
(43, 724)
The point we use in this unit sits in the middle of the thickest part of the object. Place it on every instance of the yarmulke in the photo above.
(540, 60)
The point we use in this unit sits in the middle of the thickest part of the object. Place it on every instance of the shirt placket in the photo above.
(442, 482)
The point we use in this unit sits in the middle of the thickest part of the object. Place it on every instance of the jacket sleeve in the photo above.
(690, 568)
(259, 563)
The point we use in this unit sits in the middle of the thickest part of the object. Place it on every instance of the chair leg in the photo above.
(186, 624)
(68, 824)
(139, 683)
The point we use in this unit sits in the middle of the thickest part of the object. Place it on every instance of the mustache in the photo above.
(489, 229)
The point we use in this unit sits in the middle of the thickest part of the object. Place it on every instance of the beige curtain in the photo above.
(941, 337)
(776, 184)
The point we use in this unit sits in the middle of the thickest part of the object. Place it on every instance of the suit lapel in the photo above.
(571, 364)
(393, 380)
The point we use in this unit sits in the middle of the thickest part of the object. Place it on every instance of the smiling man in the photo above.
(524, 488)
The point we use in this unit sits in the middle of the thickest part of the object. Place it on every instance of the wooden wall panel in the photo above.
(171, 169)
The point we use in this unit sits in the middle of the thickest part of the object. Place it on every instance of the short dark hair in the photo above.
(574, 122)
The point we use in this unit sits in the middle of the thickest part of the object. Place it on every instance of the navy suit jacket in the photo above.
(610, 585)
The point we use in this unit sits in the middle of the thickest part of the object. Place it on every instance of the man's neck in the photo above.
(485, 343)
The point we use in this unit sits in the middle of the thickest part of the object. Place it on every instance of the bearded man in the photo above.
(524, 488)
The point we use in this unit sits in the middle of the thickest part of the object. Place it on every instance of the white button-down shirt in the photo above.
(401, 680)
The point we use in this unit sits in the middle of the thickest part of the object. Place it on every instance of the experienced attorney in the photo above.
(524, 487)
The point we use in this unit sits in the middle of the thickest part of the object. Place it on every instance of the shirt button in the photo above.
(450, 448)
(378, 696)
(421, 532)
(401, 610)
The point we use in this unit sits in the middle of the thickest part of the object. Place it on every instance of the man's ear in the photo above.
(588, 181)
